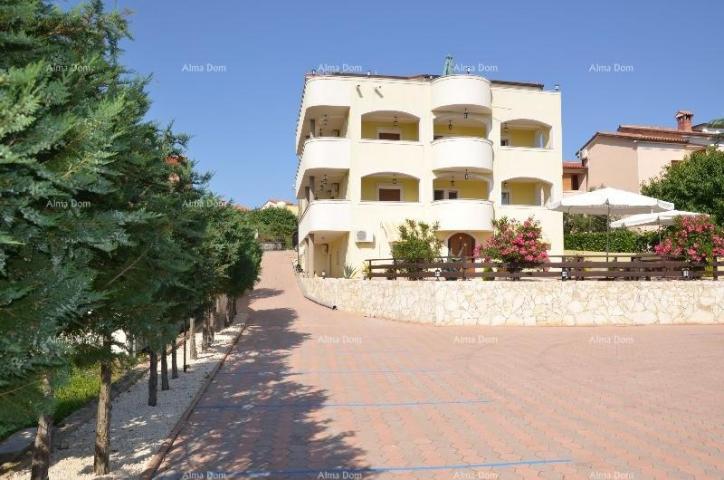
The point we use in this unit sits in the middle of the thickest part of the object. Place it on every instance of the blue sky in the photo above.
(243, 117)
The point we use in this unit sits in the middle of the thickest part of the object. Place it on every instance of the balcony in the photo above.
(326, 216)
(475, 154)
(454, 91)
(326, 90)
(323, 96)
(381, 155)
(463, 215)
(542, 163)
(322, 155)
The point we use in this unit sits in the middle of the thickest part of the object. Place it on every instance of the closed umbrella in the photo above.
(607, 201)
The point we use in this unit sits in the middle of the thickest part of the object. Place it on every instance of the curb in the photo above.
(155, 461)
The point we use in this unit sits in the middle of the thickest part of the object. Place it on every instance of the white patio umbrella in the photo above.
(607, 201)
(661, 218)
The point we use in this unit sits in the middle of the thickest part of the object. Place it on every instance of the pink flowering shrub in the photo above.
(696, 239)
(513, 242)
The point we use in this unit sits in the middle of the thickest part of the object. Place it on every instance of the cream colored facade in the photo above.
(459, 150)
(635, 154)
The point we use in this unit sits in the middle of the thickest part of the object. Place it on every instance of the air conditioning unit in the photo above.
(364, 236)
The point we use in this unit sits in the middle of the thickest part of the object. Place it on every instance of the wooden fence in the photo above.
(566, 267)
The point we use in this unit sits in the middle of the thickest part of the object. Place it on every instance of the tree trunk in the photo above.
(43, 439)
(186, 336)
(212, 326)
(192, 339)
(101, 461)
(152, 378)
(174, 362)
(164, 369)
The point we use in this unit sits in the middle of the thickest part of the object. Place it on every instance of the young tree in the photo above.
(55, 138)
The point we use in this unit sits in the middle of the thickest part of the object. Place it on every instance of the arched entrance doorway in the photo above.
(460, 245)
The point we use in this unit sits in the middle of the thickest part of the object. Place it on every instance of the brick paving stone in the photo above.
(293, 389)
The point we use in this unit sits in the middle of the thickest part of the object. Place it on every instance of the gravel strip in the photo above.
(137, 430)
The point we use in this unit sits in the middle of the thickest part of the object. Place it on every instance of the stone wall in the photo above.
(531, 302)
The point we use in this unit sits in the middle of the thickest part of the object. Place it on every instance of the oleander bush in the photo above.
(515, 242)
(696, 239)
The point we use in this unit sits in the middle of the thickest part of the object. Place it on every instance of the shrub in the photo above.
(696, 239)
(418, 244)
(619, 240)
(514, 242)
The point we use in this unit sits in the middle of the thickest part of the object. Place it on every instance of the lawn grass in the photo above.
(80, 388)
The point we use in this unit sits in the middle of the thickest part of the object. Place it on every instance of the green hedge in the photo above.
(620, 240)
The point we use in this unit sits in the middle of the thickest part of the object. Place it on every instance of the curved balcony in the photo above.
(322, 92)
(323, 154)
(453, 91)
(328, 91)
(472, 153)
(541, 163)
(326, 216)
(463, 215)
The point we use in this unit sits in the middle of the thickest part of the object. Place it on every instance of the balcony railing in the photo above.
(323, 153)
(461, 90)
(325, 216)
(463, 215)
(462, 152)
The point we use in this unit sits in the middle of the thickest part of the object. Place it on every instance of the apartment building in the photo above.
(634, 154)
(459, 150)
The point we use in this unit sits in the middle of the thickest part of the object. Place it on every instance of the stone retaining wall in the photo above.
(533, 302)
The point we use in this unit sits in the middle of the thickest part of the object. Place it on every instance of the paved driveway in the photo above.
(315, 393)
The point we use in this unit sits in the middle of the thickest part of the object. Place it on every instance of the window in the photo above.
(389, 134)
(574, 182)
(389, 194)
(505, 197)
(445, 194)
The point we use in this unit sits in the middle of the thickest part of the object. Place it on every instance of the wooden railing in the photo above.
(566, 267)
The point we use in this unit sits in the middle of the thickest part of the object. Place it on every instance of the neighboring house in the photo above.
(459, 150)
(634, 154)
(274, 203)
(574, 178)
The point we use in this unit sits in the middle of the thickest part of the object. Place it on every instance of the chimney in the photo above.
(683, 120)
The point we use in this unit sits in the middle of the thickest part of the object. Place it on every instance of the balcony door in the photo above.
(389, 194)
